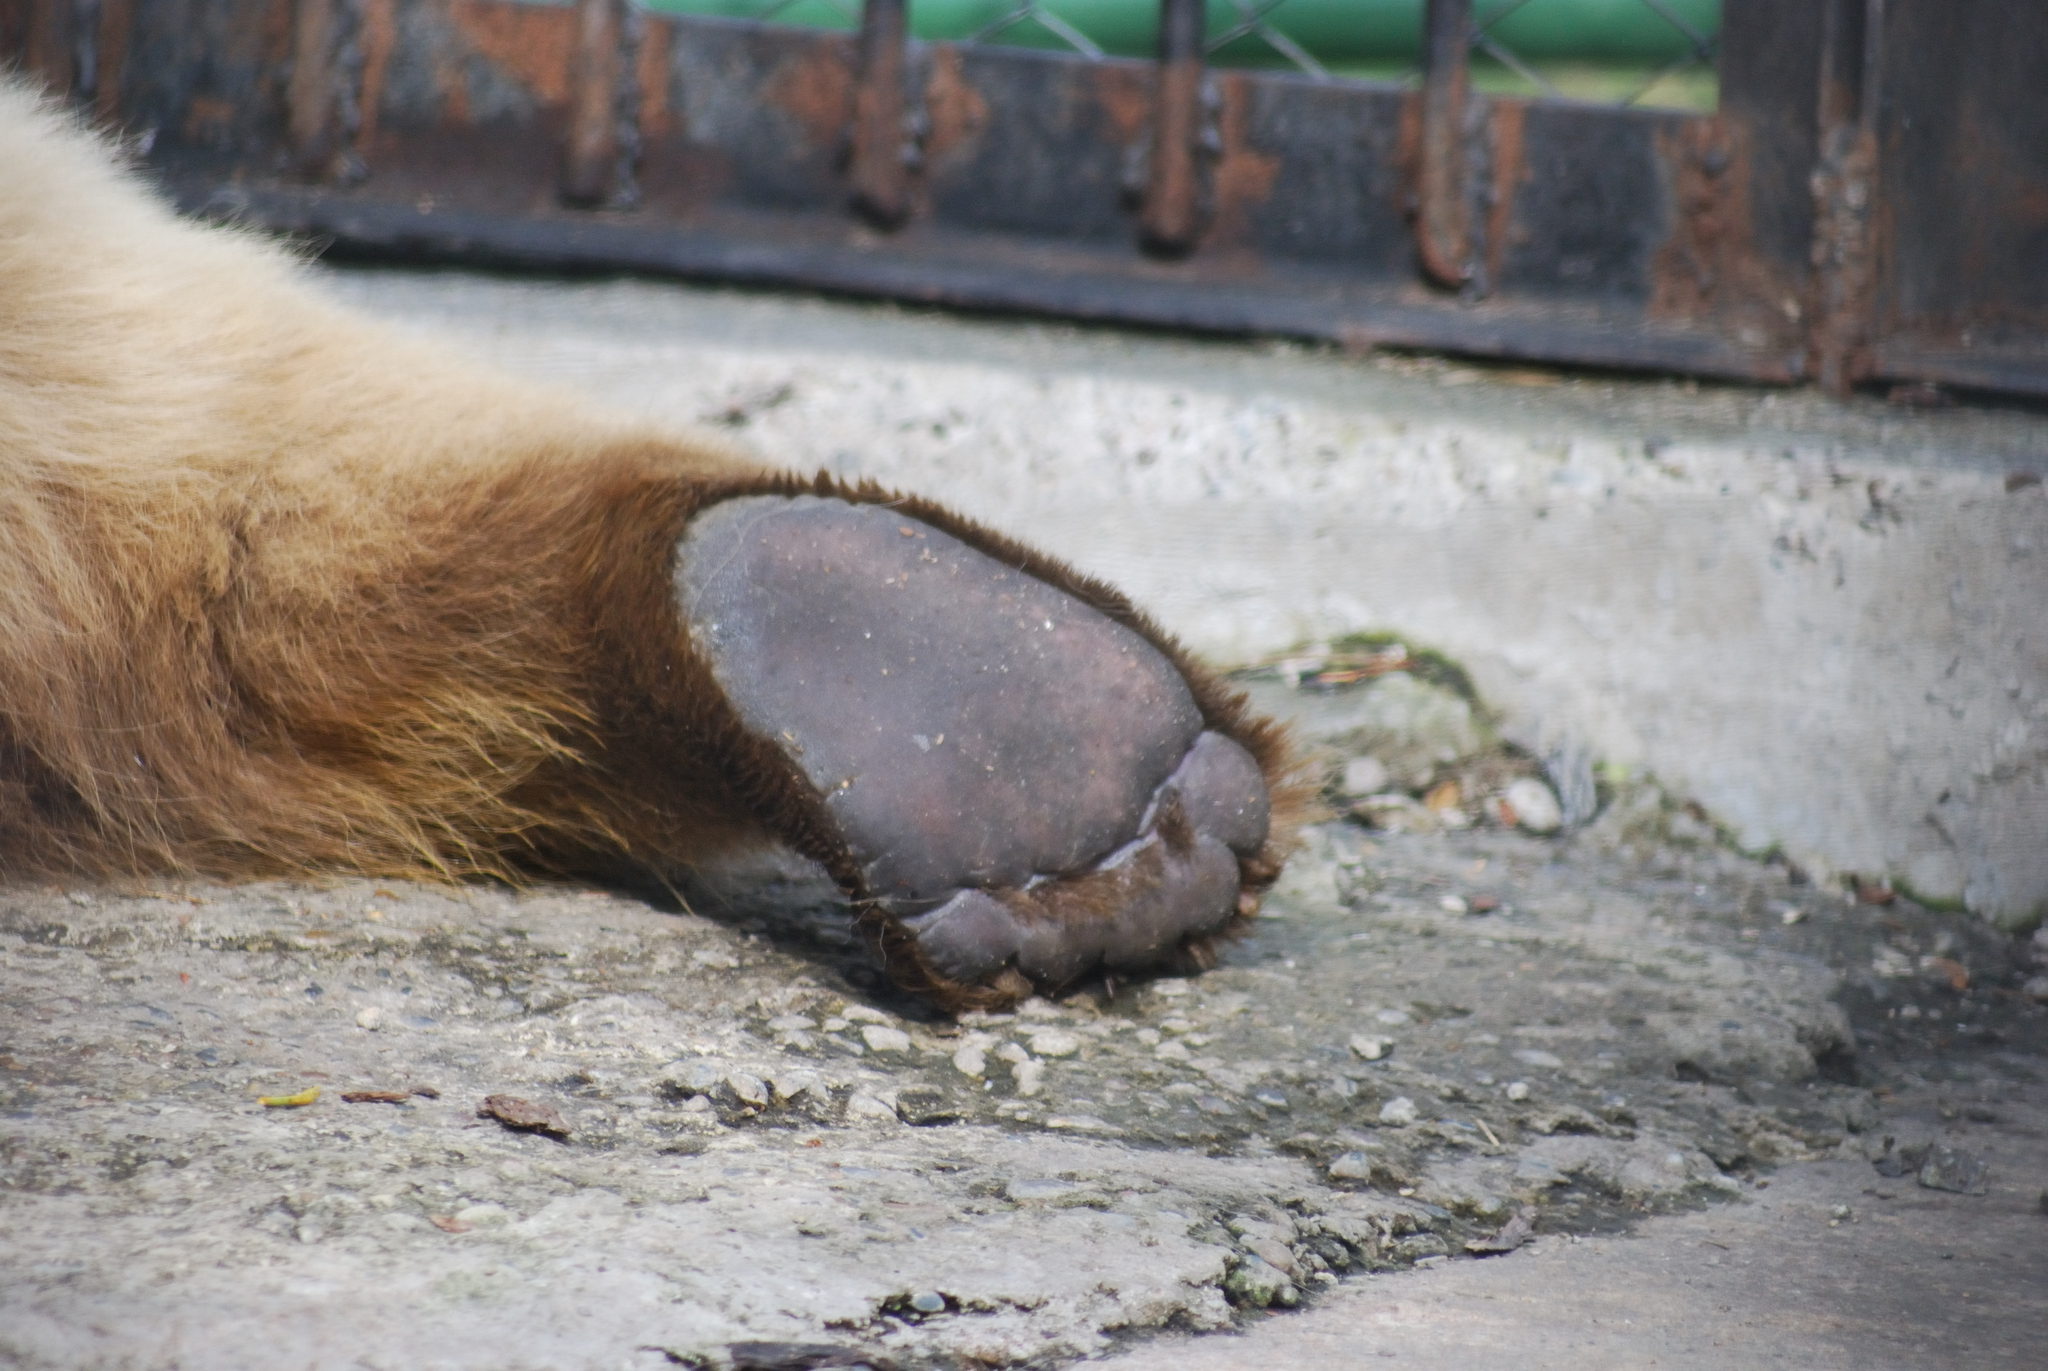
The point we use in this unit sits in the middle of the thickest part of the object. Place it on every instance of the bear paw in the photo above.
(1017, 788)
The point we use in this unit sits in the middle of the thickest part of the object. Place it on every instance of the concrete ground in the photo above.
(1904, 1278)
(1719, 1095)
(757, 1150)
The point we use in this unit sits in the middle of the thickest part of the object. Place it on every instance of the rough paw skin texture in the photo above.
(283, 593)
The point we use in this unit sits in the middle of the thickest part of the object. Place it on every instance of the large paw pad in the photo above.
(1018, 779)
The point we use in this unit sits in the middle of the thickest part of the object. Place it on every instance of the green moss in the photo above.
(1951, 905)
(1425, 664)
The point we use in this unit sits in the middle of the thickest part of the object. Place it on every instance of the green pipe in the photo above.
(1332, 31)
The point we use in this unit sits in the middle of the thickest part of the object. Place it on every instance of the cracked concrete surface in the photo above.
(764, 1147)
(1625, 1031)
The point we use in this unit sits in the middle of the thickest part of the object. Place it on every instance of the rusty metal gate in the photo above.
(1869, 202)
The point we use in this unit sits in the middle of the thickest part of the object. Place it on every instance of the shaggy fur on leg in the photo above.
(282, 592)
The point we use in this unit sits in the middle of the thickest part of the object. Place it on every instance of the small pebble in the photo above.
(882, 1038)
(1352, 1166)
(1517, 1091)
(1030, 1077)
(1371, 1048)
(1532, 805)
(700, 1075)
(970, 1060)
(1055, 1042)
(523, 1115)
(369, 1018)
(860, 1013)
(928, 1302)
(750, 1090)
(791, 1084)
(1399, 1111)
(1453, 904)
(924, 1106)
(870, 1108)
(1536, 1056)
(1396, 814)
(1363, 776)
(1951, 1168)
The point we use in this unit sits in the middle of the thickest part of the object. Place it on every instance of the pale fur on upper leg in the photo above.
(279, 588)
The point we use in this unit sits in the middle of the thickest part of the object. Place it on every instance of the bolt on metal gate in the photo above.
(1867, 199)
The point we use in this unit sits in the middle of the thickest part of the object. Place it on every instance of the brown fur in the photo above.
(283, 593)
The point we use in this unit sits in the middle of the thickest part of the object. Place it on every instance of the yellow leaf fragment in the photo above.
(304, 1097)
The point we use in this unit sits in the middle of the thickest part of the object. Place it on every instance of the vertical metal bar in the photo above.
(1443, 236)
(48, 49)
(1170, 222)
(310, 112)
(1873, 67)
(1845, 192)
(110, 53)
(590, 167)
(881, 178)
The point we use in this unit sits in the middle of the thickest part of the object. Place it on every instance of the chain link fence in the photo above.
(1657, 53)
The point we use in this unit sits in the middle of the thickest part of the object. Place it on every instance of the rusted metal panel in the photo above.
(1770, 103)
(1314, 173)
(203, 80)
(46, 34)
(1043, 147)
(465, 105)
(1960, 145)
(1591, 207)
(471, 130)
(748, 115)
